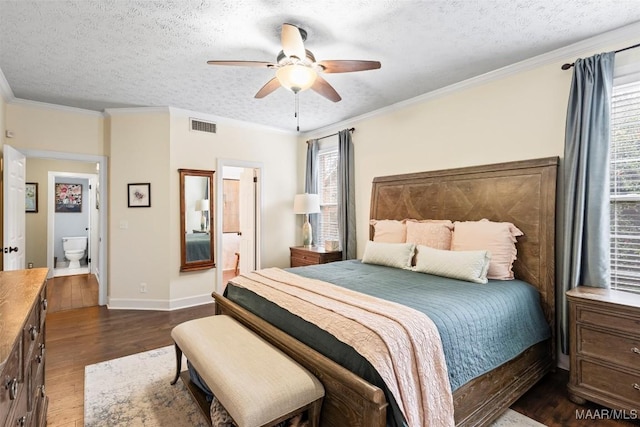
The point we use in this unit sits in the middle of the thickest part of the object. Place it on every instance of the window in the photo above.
(328, 194)
(625, 187)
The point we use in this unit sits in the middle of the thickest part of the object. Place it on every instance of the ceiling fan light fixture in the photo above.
(296, 77)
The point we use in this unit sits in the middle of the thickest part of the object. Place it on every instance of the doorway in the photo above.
(97, 248)
(77, 223)
(238, 210)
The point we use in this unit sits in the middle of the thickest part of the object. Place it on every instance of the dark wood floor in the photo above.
(79, 337)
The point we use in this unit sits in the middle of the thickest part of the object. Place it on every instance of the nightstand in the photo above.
(604, 347)
(305, 255)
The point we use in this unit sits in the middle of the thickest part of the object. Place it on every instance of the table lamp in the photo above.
(306, 204)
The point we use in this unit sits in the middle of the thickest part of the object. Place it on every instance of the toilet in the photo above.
(74, 248)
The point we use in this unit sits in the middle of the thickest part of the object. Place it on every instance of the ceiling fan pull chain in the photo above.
(297, 112)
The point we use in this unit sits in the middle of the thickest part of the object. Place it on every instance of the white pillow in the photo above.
(471, 266)
(396, 255)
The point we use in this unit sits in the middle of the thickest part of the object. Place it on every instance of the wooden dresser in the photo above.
(23, 305)
(605, 347)
(305, 255)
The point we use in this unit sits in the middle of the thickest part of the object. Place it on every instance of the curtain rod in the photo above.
(333, 134)
(567, 65)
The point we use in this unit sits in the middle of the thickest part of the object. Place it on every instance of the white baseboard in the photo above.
(158, 304)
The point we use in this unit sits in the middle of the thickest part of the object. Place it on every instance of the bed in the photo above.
(522, 193)
(198, 246)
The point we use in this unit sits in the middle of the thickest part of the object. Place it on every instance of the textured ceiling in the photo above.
(106, 54)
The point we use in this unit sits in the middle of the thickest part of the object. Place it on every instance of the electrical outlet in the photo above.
(143, 288)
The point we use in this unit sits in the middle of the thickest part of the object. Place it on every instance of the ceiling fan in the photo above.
(297, 69)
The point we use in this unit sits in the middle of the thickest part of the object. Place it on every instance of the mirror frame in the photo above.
(200, 264)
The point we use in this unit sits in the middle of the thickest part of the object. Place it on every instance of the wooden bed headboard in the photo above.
(521, 192)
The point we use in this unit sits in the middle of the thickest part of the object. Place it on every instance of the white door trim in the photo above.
(103, 237)
(218, 208)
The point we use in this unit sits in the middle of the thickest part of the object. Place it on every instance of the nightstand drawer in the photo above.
(612, 348)
(302, 261)
(608, 320)
(609, 381)
(303, 255)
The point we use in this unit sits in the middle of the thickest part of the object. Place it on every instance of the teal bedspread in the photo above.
(481, 326)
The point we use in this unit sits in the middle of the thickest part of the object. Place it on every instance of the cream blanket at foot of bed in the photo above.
(402, 344)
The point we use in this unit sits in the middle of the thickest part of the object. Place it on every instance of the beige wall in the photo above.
(45, 128)
(36, 223)
(139, 244)
(275, 151)
(517, 117)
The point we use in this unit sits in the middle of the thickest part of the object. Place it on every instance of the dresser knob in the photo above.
(636, 386)
(635, 350)
(12, 386)
(33, 332)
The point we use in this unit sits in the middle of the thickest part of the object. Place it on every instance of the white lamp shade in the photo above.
(202, 205)
(306, 203)
(296, 77)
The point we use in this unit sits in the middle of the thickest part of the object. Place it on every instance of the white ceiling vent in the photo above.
(202, 126)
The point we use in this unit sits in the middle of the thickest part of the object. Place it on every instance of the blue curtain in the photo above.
(584, 223)
(311, 182)
(346, 196)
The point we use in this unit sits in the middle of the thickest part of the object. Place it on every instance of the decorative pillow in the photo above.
(389, 230)
(433, 233)
(499, 238)
(398, 255)
(471, 266)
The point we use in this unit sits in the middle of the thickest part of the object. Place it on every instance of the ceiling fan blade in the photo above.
(325, 89)
(348, 66)
(269, 87)
(243, 63)
(292, 43)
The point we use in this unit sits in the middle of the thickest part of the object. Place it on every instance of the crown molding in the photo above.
(135, 110)
(563, 54)
(56, 107)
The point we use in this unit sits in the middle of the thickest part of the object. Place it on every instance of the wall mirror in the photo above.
(197, 229)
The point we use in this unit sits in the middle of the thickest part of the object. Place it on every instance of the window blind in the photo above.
(328, 195)
(625, 187)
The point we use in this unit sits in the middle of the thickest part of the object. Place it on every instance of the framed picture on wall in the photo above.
(139, 195)
(68, 197)
(31, 197)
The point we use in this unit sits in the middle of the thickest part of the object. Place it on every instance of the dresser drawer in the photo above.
(30, 336)
(612, 348)
(10, 386)
(607, 319)
(616, 384)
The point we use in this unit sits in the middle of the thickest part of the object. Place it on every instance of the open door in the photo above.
(14, 175)
(248, 207)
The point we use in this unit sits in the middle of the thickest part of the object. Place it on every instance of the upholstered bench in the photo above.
(256, 383)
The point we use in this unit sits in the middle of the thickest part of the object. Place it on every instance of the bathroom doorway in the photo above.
(72, 222)
(238, 213)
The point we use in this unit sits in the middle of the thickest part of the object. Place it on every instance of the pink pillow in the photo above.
(499, 238)
(389, 231)
(432, 233)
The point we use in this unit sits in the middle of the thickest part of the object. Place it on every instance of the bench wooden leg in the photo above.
(314, 413)
(178, 364)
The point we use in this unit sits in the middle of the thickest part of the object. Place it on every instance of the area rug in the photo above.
(135, 391)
